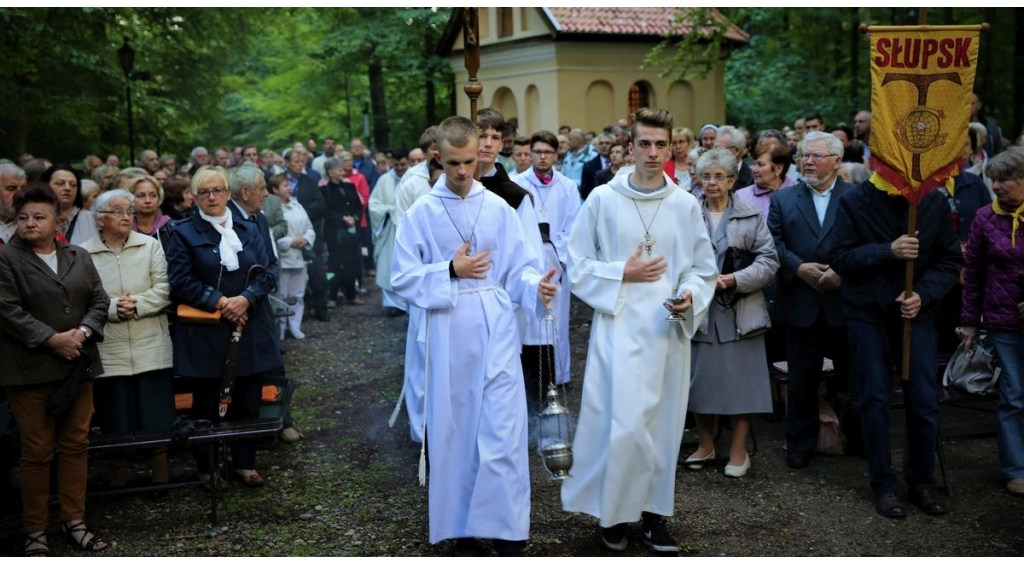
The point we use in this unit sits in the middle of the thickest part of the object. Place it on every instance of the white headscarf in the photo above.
(230, 245)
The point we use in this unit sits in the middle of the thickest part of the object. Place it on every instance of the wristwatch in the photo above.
(85, 331)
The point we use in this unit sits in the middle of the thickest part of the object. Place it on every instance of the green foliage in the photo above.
(692, 55)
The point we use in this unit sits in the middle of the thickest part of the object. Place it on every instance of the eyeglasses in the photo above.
(543, 153)
(216, 192)
(816, 157)
(118, 213)
(718, 178)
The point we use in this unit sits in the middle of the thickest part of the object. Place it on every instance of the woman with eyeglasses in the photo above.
(149, 218)
(677, 167)
(135, 392)
(730, 370)
(209, 257)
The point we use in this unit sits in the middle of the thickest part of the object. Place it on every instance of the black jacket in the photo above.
(867, 222)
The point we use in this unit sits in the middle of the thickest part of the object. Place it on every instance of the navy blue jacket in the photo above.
(193, 268)
(799, 238)
(867, 223)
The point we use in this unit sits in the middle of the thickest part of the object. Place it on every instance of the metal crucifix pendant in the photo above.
(648, 244)
(544, 211)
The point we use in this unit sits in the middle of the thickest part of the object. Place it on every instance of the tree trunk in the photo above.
(855, 36)
(1018, 76)
(378, 104)
(428, 76)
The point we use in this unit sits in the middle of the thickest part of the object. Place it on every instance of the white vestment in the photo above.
(475, 402)
(383, 221)
(637, 376)
(415, 183)
(556, 204)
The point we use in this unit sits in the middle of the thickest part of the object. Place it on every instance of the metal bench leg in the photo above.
(214, 482)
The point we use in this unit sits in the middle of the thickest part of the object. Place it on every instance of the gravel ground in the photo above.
(350, 488)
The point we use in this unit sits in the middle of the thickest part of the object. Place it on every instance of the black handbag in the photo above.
(63, 395)
(736, 259)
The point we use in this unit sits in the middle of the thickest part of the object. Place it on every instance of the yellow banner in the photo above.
(922, 78)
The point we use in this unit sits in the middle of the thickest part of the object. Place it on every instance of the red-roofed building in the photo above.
(583, 67)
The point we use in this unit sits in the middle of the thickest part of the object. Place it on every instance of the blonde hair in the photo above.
(134, 183)
(206, 173)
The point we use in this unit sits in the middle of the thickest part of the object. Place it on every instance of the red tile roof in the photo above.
(626, 21)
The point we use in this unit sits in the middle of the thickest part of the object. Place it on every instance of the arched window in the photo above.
(639, 96)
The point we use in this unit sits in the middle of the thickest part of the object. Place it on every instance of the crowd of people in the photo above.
(761, 248)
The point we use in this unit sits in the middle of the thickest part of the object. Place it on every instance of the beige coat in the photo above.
(141, 344)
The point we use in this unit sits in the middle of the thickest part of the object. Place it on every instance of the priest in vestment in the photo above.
(638, 242)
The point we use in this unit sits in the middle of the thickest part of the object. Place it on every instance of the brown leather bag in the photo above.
(189, 314)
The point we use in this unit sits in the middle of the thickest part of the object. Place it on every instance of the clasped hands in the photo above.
(476, 266)
(67, 345)
(234, 309)
(819, 276)
(126, 307)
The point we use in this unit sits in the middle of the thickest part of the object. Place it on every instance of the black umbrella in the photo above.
(227, 382)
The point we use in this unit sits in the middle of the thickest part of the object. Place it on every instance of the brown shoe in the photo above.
(252, 480)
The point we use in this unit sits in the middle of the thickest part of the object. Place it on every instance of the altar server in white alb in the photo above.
(462, 255)
(556, 200)
(384, 220)
(638, 246)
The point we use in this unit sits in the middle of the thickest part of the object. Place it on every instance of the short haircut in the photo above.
(544, 136)
(427, 138)
(835, 146)
(457, 131)
(174, 193)
(738, 139)
(399, 154)
(11, 169)
(247, 175)
(197, 151)
(778, 154)
(684, 131)
(490, 118)
(35, 168)
(1008, 165)
(207, 173)
(102, 204)
(509, 129)
(770, 134)
(276, 181)
(718, 156)
(814, 116)
(37, 192)
(48, 175)
(99, 172)
(652, 117)
(134, 184)
(845, 129)
(522, 141)
(87, 188)
(857, 171)
(334, 162)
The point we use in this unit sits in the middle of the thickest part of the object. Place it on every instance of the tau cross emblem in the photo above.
(648, 243)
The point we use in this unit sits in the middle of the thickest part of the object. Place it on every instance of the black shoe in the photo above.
(655, 535)
(322, 315)
(506, 548)
(928, 500)
(392, 312)
(798, 460)
(468, 547)
(888, 506)
(614, 537)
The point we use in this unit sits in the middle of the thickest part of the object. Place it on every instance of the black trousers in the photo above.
(245, 404)
(806, 348)
(317, 300)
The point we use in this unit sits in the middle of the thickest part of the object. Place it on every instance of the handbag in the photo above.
(736, 259)
(190, 314)
(974, 371)
(63, 395)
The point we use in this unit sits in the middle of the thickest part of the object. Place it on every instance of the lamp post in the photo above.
(126, 57)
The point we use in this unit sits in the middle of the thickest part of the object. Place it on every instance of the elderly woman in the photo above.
(691, 165)
(75, 223)
(616, 158)
(341, 227)
(299, 237)
(149, 218)
(993, 299)
(52, 310)
(105, 176)
(135, 392)
(677, 168)
(209, 258)
(771, 163)
(89, 192)
(730, 370)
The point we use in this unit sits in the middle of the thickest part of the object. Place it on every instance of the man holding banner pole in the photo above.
(894, 246)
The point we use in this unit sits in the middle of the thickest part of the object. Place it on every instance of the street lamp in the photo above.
(126, 57)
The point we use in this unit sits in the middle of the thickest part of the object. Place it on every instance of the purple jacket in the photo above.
(993, 272)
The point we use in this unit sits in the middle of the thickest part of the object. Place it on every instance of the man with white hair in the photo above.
(733, 139)
(12, 179)
(200, 157)
(580, 153)
(150, 161)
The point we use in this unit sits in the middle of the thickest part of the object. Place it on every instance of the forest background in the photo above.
(227, 76)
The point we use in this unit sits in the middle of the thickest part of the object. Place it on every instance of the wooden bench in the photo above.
(217, 436)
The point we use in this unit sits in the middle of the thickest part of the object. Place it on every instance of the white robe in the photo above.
(415, 183)
(383, 221)
(476, 403)
(556, 204)
(637, 377)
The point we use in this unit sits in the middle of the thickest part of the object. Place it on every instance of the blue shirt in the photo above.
(821, 200)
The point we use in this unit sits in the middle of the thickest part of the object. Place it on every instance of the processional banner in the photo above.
(922, 78)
